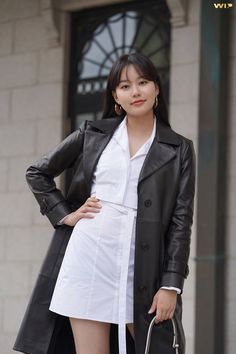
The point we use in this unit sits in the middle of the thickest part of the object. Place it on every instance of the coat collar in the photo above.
(121, 137)
(99, 133)
(164, 134)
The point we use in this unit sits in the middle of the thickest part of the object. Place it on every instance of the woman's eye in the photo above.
(124, 87)
(143, 82)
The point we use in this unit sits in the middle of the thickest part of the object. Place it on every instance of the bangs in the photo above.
(143, 66)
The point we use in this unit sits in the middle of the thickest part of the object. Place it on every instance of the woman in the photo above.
(128, 213)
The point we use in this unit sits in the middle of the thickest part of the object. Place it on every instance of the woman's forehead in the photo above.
(130, 72)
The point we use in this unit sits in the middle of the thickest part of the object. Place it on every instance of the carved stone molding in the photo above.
(49, 15)
(52, 10)
(178, 10)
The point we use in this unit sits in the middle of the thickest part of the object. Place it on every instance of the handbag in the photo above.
(175, 344)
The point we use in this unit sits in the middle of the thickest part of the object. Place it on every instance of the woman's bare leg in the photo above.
(91, 337)
(131, 329)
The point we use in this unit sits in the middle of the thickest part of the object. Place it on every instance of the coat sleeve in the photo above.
(40, 176)
(177, 240)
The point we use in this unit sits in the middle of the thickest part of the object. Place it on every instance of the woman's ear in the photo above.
(115, 96)
(157, 90)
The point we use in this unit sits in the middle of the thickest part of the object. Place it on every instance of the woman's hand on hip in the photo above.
(91, 205)
(164, 303)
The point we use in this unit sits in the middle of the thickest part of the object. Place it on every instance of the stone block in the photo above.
(189, 345)
(17, 140)
(184, 83)
(37, 102)
(184, 118)
(16, 174)
(18, 70)
(6, 342)
(1, 314)
(15, 209)
(15, 9)
(185, 45)
(48, 135)
(6, 35)
(188, 317)
(14, 309)
(2, 243)
(51, 65)
(30, 35)
(194, 12)
(3, 175)
(14, 279)
(230, 347)
(4, 106)
(45, 4)
(27, 243)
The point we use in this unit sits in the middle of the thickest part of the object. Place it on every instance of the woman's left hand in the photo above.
(164, 303)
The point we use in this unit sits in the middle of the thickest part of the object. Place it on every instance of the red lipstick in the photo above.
(138, 102)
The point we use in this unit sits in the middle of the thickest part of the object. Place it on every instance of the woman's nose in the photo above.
(135, 90)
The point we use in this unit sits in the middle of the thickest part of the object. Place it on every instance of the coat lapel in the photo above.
(97, 136)
(100, 132)
(161, 151)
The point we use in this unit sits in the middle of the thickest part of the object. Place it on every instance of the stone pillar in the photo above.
(184, 110)
(230, 212)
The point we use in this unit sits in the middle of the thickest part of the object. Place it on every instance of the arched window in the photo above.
(99, 36)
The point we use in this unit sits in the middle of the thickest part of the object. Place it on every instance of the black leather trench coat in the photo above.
(166, 190)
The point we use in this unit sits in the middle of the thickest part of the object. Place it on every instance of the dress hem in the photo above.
(88, 318)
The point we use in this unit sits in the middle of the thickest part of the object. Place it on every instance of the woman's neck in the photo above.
(140, 125)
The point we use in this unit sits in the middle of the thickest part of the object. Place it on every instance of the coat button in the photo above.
(145, 246)
(147, 203)
(142, 288)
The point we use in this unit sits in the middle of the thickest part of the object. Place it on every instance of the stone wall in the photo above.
(31, 69)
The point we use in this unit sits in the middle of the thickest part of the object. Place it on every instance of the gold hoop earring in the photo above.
(118, 109)
(156, 102)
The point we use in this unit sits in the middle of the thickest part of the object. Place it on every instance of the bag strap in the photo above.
(175, 344)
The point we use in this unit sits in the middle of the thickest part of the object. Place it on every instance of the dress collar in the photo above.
(121, 137)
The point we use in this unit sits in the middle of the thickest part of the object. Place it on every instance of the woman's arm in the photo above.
(40, 176)
(177, 242)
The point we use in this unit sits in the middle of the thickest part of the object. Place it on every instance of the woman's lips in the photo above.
(138, 102)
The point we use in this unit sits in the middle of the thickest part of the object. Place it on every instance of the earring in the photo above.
(118, 109)
(156, 102)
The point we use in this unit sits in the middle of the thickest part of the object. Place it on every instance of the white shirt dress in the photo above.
(96, 277)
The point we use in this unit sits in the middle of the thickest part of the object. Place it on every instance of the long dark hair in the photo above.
(146, 68)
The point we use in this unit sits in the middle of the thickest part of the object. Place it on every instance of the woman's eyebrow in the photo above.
(127, 80)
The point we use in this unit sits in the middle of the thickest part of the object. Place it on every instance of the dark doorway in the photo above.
(99, 36)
